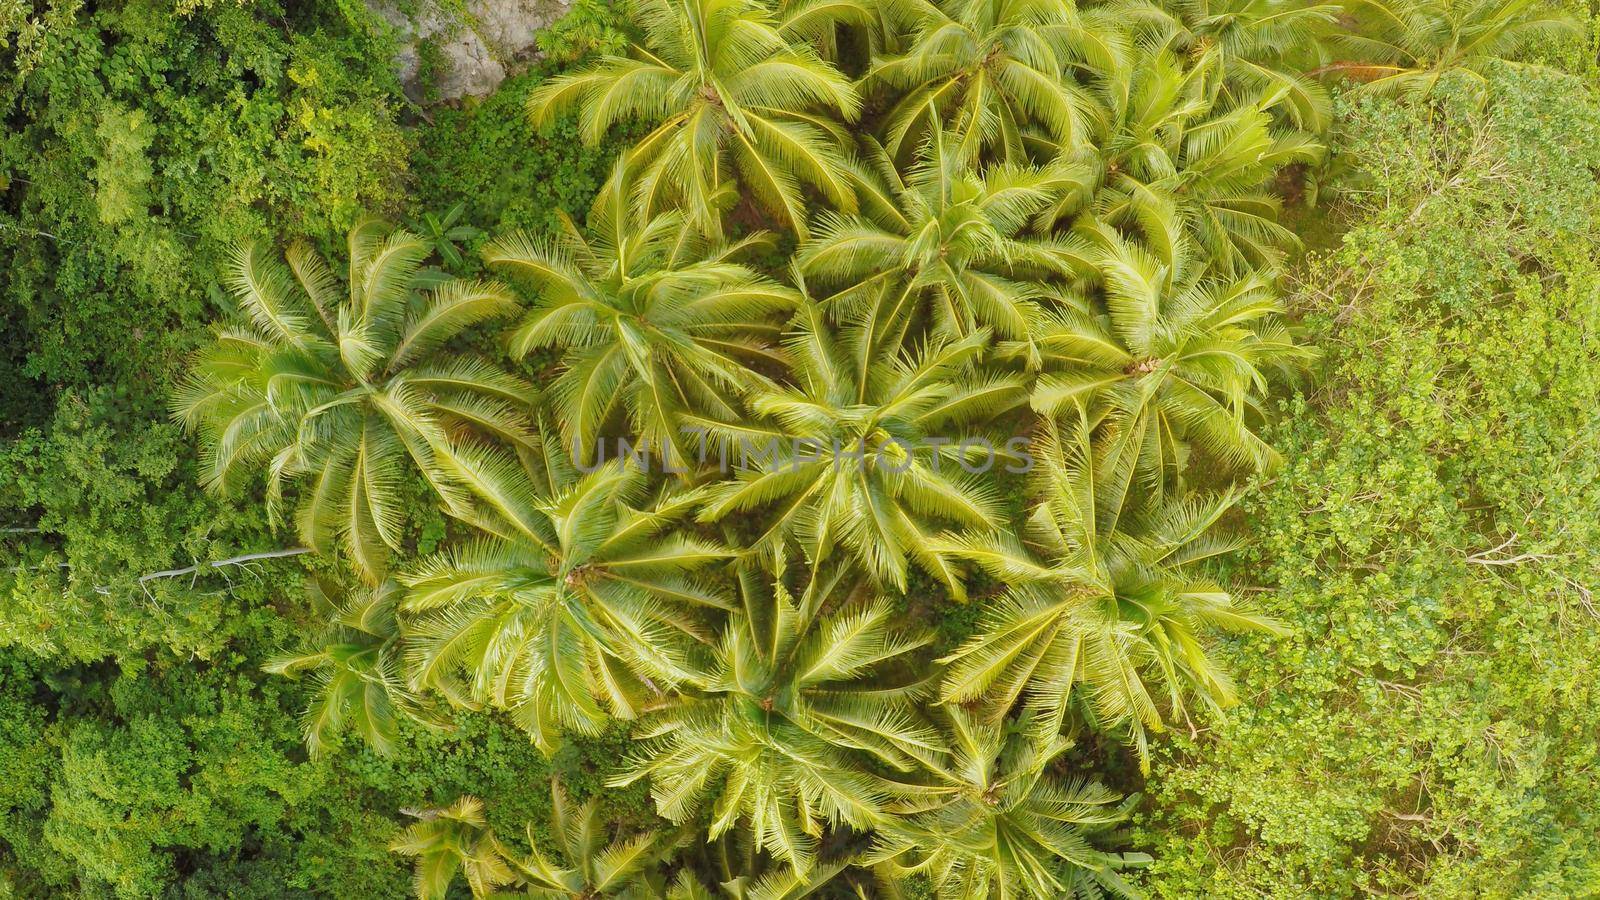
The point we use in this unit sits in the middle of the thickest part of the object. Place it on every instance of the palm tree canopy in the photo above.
(1183, 152)
(578, 603)
(1408, 48)
(354, 664)
(1104, 593)
(944, 240)
(652, 317)
(866, 451)
(785, 713)
(1172, 356)
(997, 825)
(726, 94)
(455, 838)
(1001, 74)
(1266, 47)
(1066, 222)
(594, 867)
(743, 871)
(347, 392)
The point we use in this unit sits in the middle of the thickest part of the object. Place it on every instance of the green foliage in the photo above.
(252, 117)
(186, 763)
(144, 751)
(101, 496)
(510, 175)
(1429, 727)
(589, 28)
(1079, 204)
(140, 145)
(189, 777)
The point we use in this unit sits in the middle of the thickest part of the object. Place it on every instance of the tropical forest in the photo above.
(778, 449)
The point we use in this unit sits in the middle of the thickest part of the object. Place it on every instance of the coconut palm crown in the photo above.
(1171, 358)
(653, 320)
(589, 867)
(945, 243)
(1002, 75)
(1405, 48)
(578, 604)
(777, 733)
(728, 98)
(1182, 154)
(999, 825)
(1266, 46)
(350, 392)
(865, 453)
(1104, 594)
(354, 666)
(450, 840)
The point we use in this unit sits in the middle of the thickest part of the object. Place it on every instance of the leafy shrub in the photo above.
(1429, 727)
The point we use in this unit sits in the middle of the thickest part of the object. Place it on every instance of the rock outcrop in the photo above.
(472, 44)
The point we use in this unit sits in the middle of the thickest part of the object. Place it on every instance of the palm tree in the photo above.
(999, 826)
(1181, 154)
(653, 320)
(576, 605)
(455, 838)
(820, 23)
(1406, 48)
(775, 734)
(1172, 357)
(346, 394)
(354, 665)
(593, 869)
(1001, 74)
(742, 871)
(1266, 46)
(725, 92)
(861, 451)
(458, 838)
(1104, 592)
(943, 237)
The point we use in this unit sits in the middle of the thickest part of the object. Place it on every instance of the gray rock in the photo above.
(478, 43)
